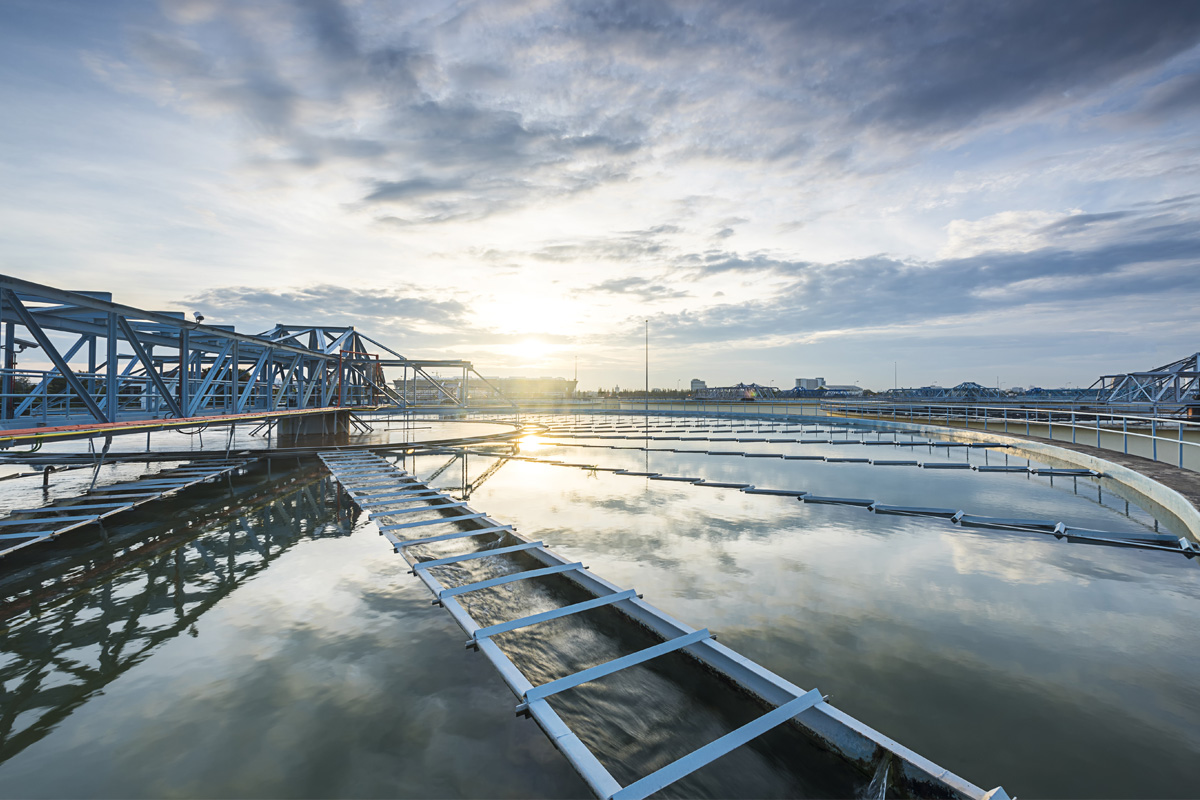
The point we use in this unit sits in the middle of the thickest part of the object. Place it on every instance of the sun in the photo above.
(530, 349)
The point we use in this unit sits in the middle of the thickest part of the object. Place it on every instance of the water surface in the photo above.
(257, 639)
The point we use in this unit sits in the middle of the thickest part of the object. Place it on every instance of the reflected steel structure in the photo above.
(72, 628)
(76, 627)
(110, 363)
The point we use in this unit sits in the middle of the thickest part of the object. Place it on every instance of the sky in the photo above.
(921, 192)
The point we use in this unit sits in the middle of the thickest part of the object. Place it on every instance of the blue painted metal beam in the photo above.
(558, 613)
(513, 577)
(682, 767)
(616, 665)
(441, 562)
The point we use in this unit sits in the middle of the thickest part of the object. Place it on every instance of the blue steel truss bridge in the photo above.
(77, 364)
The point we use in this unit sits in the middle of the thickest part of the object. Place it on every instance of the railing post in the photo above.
(1181, 444)
(1097, 431)
(1154, 436)
(1074, 430)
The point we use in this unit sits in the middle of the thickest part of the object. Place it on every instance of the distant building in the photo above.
(698, 384)
(810, 384)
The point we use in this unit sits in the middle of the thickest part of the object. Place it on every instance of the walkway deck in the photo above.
(26, 527)
(394, 497)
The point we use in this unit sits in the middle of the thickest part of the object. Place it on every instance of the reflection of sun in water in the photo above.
(533, 442)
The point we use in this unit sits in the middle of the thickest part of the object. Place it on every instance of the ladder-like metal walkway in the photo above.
(392, 497)
(25, 527)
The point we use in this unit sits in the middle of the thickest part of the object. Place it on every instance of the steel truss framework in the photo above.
(1169, 388)
(111, 363)
(1174, 384)
(741, 391)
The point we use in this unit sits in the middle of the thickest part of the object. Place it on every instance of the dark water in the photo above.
(242, 642)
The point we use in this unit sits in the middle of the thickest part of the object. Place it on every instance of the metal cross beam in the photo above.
(113, 363)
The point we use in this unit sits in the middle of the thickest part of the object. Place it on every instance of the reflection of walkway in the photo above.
(466, 486)
(89, 621)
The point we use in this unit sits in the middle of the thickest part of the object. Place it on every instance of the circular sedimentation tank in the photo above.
(259, 639)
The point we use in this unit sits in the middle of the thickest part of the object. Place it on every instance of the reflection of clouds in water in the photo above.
(918, 627)
(1007, 556)
(325, 675)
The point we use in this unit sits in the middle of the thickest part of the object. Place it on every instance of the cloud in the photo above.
(465, 112)
(1077, 222)
(931, 66)
(759, 172)
(642, 288)
(1180, 95)
(1144, 259)
(327, 304)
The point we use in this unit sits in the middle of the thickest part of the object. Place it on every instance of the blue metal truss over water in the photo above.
(111, 363)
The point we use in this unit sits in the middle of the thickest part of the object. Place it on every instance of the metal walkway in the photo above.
(394, 497)
(36, 525)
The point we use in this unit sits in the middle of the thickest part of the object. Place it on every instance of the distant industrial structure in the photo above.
(535, 388)
(815, 388)
(1172, 388)
(485, 389)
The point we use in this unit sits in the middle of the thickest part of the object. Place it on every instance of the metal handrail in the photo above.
(1128, 426)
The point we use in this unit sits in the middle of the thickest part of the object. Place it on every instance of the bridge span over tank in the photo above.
(77, 364)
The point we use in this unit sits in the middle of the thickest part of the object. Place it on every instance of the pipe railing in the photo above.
(1178, 438)
(1165, 439)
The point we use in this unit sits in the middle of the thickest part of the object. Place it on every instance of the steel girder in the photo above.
(742, 391)
(154, 364)
(1174, 384)
(111, 362)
